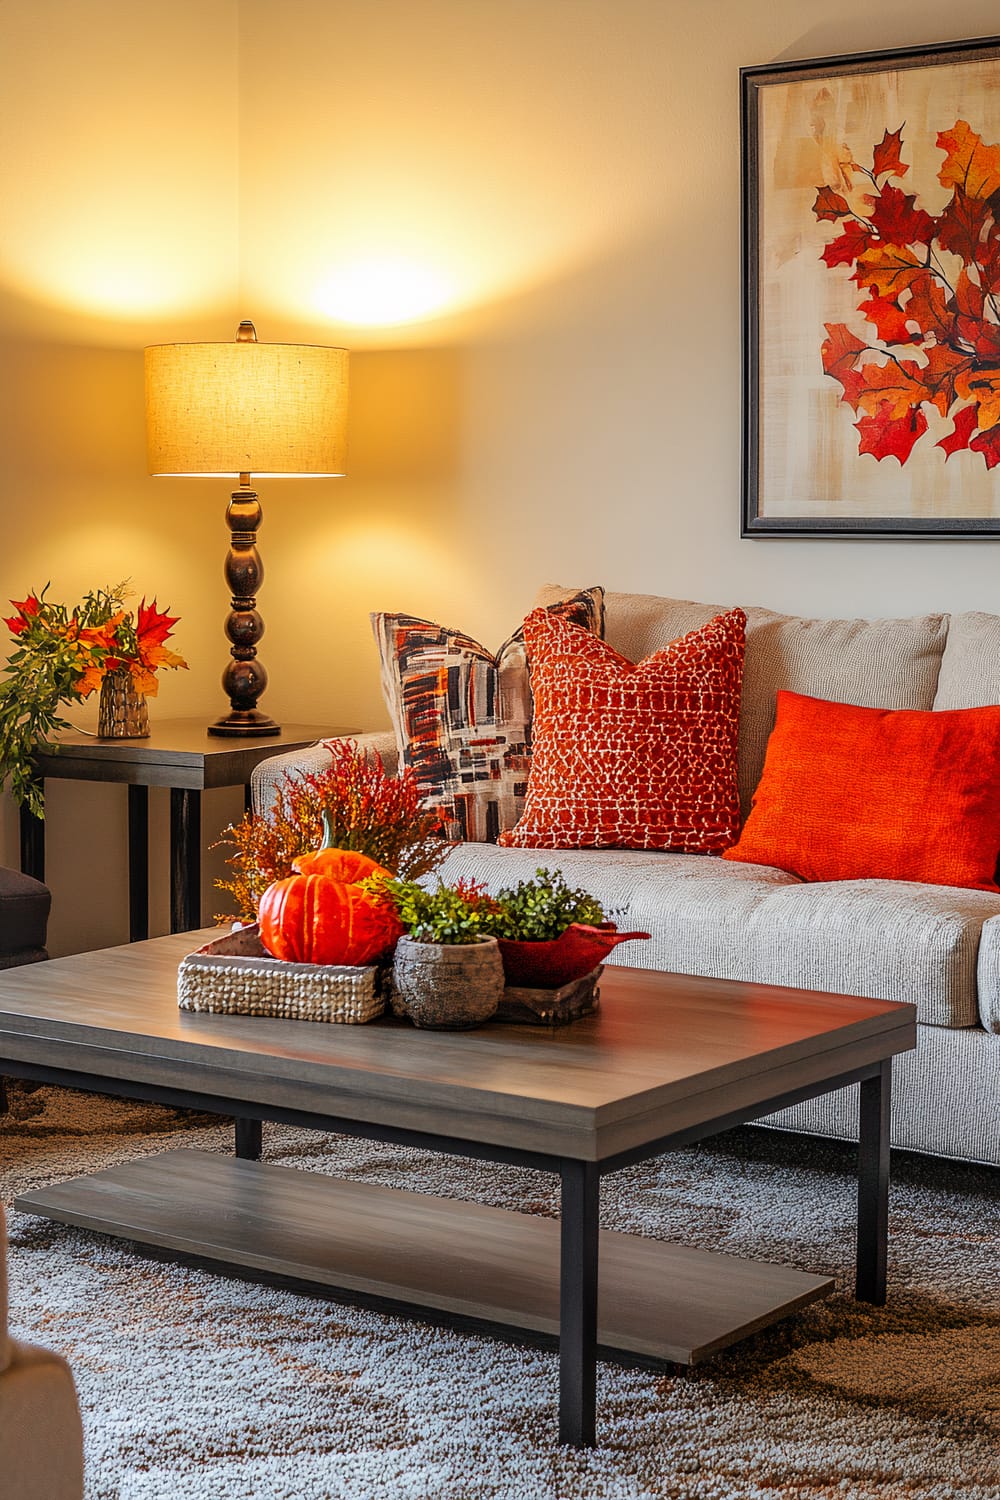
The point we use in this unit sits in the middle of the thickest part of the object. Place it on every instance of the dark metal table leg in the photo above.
(581, 1187)
(32, 844)
(138, 863)
(248, 1139)
(873, 1186)
(185, 859)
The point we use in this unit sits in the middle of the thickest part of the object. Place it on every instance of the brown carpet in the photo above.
(201, 1388)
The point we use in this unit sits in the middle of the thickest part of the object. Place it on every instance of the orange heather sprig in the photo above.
(368, 810)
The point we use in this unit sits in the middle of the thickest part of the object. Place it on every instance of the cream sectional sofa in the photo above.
(936, 946)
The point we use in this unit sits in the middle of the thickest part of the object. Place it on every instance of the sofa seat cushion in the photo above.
(694, 909)
(887, 939)
(624, 880)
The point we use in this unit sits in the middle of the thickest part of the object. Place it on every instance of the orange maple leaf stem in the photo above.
(895, 359)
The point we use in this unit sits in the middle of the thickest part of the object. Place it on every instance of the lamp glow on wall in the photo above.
(226, 411)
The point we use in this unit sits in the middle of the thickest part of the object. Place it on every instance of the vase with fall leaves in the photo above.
(62, 655)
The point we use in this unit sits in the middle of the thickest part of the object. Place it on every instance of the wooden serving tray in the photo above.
(581, 997)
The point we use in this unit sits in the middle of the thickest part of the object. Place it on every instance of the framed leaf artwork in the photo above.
(871, 245)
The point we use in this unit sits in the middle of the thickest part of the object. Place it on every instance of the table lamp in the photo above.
(226, 411)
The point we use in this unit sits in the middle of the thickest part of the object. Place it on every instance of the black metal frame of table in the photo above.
(579, 1234)
(179, 754)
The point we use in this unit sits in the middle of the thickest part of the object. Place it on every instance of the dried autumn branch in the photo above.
(369, 811)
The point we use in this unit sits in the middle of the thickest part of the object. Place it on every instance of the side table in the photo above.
(179, 754)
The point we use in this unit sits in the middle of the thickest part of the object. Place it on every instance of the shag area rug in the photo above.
(201, 1388)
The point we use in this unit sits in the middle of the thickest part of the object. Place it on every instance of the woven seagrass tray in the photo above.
(234, 975)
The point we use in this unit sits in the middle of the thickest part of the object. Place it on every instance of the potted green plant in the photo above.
(550, 934)
(546, 934)
(447, 971)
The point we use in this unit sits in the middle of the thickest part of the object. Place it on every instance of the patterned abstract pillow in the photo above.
(633, 756)
(462, 716)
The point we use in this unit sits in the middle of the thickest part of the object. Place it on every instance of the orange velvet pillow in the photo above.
(878, 794)
(632, 756)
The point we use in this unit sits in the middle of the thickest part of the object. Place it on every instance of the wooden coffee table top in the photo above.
(665, 1053)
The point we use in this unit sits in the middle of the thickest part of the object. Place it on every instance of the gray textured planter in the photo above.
(448, 986)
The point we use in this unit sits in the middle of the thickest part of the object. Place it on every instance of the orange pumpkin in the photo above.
(314, 919)
(339, 864)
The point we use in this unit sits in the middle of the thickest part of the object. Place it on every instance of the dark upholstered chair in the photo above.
(41, 1442)
(24, 917)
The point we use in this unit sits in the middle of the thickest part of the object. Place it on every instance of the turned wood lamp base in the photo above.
(245, 677)
(244, 722)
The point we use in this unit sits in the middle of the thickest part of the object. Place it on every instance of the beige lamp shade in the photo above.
(270, 410)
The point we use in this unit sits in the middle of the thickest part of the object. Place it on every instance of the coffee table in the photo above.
(668, 1060)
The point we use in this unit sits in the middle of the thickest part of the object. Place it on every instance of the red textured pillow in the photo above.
(878, 794)
(632, 756)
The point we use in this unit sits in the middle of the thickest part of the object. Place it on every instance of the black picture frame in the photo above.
(849, 512)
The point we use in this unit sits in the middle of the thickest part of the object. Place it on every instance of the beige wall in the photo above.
(523, 218)
(562, 176)
(119, 184)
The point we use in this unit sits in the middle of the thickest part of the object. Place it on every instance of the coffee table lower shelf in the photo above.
(412, 1252)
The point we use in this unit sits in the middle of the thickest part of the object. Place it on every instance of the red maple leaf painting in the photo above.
(930, 335)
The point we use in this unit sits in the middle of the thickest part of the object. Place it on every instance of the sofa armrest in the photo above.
(267, 777)
(988, 975)
(41, 1437)
(41, 1431)
(6, 1351)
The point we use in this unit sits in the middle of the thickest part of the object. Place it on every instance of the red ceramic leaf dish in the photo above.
(547, 965)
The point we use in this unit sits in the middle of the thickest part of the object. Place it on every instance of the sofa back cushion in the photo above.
(970, 666)
(872, 663)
